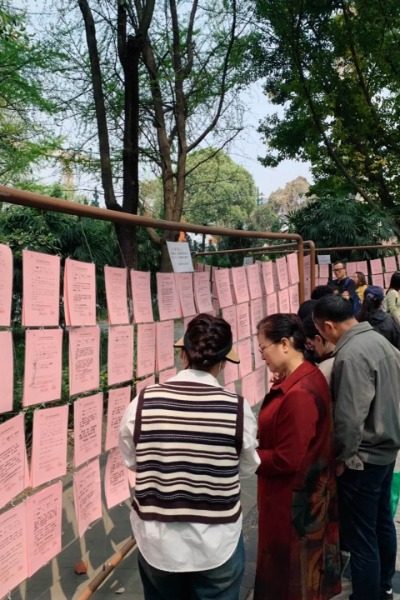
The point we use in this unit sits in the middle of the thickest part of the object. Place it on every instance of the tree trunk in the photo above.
(130, 156)
(127, 240)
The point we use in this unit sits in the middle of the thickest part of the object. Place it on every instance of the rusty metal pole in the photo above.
(24, 198)
(107, 568)
(366, 247)
(313, 257)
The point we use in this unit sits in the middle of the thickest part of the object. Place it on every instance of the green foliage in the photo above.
(24, 138)
(334, 70)
(218, 190)
(265, 218)
(342, 221)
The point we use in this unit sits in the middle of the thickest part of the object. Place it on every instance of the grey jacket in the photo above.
(366, 393)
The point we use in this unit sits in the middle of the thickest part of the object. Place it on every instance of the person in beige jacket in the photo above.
(392, 299)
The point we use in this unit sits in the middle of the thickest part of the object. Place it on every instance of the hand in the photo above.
(346, 295)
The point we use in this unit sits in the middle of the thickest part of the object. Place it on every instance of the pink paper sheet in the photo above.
(307, 289)
(243, 320)
(230, 371)
(202, 292)
(165, 357)
(223, 287)
(41, 289)
(79, 293)
(43, 526)
(88, 419)
(184, 285)
(12, 458)
(253, 274)
(13, 555)
(258, 360)
(169, 306)
(239, 281)
(116, 486)
(323, 271)
(244, 351)
(49, 444)
(272, 304)
(256, 313)
(293, 268)
(390, 264)
(166, 375)
(282, 271)
(362, 266)
(386, 279)
(43, 366)
(6, 279)
(284, 303)
(6, 371)
(377, 279)
(84, 359)
(267, 275)
(120, 354)
(118, 401)
(248, 388)
(141, 297)
(87, 495)
(376, 266)
(230, 315)
(146, 349)
(294, 298)
(117, 295)
(260, 384)
(351, 268)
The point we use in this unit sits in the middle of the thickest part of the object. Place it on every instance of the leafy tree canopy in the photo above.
(24, 138)
(218, 190)
(333, 67)
(265, 218)
(343, 221)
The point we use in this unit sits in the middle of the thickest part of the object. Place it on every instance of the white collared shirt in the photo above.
(177, 546)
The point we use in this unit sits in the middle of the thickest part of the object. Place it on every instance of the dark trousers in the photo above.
(222, 583)
(367, 529)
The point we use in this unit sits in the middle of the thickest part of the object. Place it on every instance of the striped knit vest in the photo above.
(188, 438)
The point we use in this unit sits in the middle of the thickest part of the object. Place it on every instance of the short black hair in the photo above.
(320, 291)
(395, 281)
(310, 331)
(333, 308)
(306, 308)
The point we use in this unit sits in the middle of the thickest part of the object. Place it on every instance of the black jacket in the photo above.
(384, 323)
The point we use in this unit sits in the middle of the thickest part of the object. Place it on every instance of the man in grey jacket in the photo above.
(366, 394)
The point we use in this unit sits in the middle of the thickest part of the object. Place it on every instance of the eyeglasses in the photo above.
(262, 348)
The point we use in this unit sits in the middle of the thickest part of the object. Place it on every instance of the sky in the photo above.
(250, 146)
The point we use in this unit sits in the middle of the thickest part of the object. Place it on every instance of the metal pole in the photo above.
(366, 247)
(107, 568)
(25, 198)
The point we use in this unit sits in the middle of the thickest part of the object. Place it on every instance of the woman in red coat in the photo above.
(298, 543)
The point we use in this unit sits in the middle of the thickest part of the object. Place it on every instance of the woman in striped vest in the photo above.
(188, 440)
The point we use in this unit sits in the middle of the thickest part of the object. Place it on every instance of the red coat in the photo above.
(298, 545)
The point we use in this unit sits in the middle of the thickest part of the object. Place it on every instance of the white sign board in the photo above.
(180, 256)
(324, 259)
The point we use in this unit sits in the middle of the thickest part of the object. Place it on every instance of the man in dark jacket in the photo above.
(346, 286)
(366, 392)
